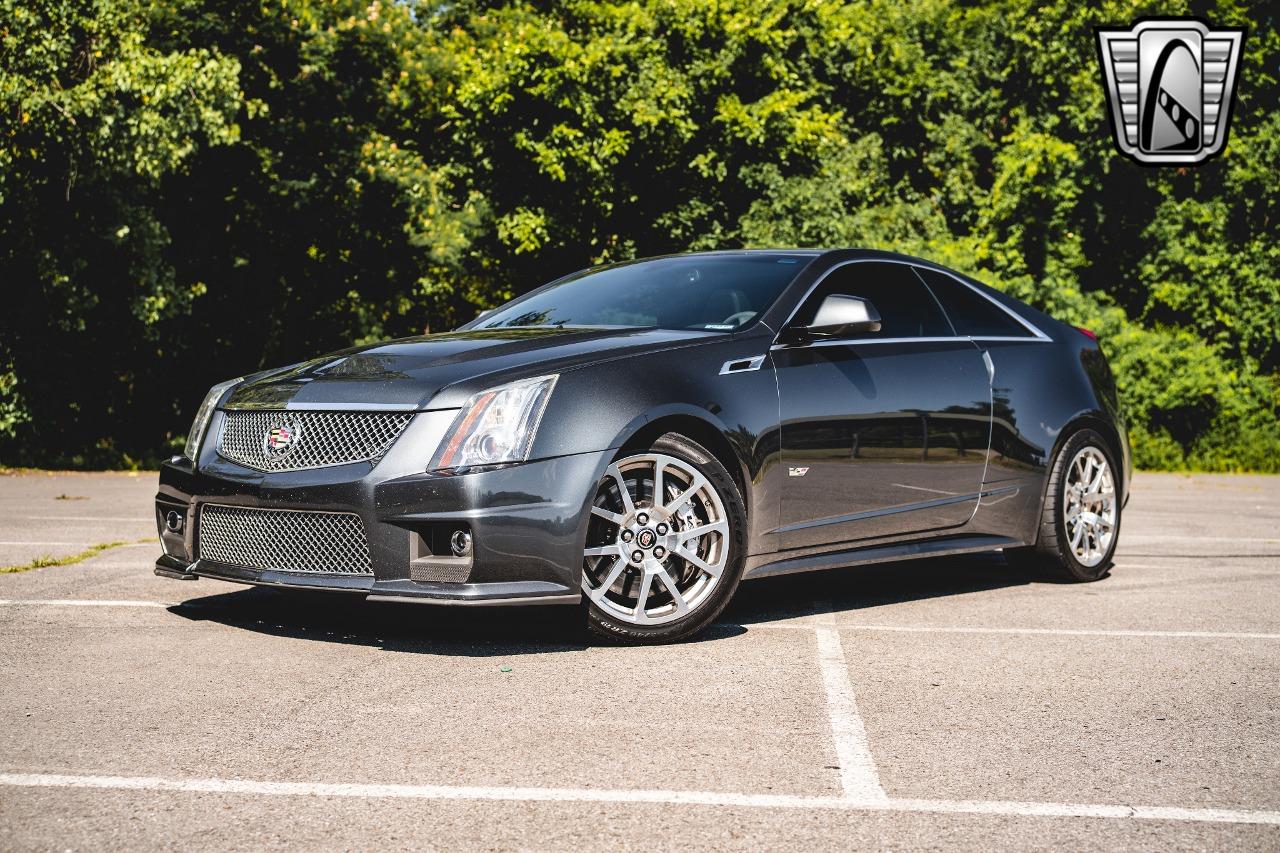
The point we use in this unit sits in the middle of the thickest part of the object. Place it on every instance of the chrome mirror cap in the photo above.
(841, 315)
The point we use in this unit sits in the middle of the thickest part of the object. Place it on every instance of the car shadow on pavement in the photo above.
(879, 585)
(413, 628)
(506, 631)
(338, 618)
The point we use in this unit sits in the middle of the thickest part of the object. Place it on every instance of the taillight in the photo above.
(1088, 333)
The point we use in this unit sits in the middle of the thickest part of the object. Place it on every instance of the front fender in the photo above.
(600, 406)
(605, 405)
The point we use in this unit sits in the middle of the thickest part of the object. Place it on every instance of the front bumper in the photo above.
(527, 521)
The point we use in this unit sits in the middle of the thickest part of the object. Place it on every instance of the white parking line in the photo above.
(1059, 632)
(1156, 537)
(1203, 566)
(137, 519)
(77, 602)
(858, 777)
(604, 795)
(80, 544)
(1065, 632)
(40, 542)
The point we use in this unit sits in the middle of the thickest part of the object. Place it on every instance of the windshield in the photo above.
(715, 293)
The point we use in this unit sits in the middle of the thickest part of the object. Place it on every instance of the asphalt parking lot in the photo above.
(944, 703)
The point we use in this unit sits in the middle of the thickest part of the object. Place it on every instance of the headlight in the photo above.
(496, 426)
(203, 414)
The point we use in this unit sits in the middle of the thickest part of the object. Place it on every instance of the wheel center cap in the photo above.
(646, 538)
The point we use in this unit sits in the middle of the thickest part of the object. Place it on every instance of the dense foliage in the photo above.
(194, 189)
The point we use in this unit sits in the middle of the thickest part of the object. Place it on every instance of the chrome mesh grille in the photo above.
(329, 543)
(440, 571)
(318, 439)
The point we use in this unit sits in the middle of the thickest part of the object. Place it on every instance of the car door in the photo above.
(883, 433)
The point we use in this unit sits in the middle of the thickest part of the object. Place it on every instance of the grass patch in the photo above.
(45, 561)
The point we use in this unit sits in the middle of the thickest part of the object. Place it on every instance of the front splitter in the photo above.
(508, 593)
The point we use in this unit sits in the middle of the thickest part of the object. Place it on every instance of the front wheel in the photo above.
(1080, 524)
(664, 547)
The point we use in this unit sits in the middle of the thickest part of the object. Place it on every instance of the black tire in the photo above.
(601, 623)
(1051, 554)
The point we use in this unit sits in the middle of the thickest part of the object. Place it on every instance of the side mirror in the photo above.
(843, 315)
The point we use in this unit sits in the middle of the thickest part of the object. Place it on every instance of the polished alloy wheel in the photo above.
(658, 541)
(1089, 507)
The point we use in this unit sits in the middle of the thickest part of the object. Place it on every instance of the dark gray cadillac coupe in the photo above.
(639, 438)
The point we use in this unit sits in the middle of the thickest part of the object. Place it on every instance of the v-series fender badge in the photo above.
(798, 472)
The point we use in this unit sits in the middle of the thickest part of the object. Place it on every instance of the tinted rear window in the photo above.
(970, 312)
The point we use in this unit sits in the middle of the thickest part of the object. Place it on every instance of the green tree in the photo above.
(205, 187)
(95, 118)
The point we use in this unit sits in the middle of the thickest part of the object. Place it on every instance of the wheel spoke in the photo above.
(713, 570)
(1095, 484)
(672, 505)
(721, 527)
(609, 579)
(659, 469)
(643, 597)
(611, 517)
(628, 506)
(603, 551)
(682, 606)
(1077, 536)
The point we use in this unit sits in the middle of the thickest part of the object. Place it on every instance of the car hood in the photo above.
(442, 371)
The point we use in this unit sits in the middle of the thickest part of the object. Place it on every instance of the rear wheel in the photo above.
(1080, 523)
(664, 546)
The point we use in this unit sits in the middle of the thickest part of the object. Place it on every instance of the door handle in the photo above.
(991, 367)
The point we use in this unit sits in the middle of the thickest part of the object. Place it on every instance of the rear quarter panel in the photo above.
(1041, 392)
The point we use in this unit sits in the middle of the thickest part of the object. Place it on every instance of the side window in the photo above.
(971, 312)
(907, 309)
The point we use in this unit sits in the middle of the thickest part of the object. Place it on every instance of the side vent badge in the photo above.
(742, 365)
